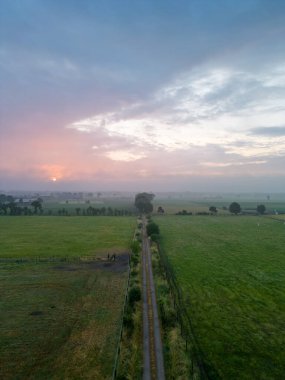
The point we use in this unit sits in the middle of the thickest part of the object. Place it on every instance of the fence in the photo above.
(114, 374)
(198, 367)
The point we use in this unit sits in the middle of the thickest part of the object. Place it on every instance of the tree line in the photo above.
(9, 206)
(234, 208)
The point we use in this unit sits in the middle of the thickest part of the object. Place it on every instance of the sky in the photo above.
(142, 95)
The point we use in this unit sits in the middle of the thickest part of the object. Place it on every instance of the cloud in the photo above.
(268, 131)
(148, 91)
(124, 155)
(210, 106)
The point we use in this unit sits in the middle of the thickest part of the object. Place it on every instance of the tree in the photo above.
(13, 207)
(235, 208)
(160, 210)
(143, 202)
(213, 209)
(37, 204)
(260, 209)
(152, 228)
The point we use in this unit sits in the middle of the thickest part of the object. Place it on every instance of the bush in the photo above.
(135, 246)
(152, 228)
(134, 295)
(134, 273)
(128, 320)
(134, 260)
(154, 237)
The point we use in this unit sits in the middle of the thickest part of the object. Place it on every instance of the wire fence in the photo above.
(118, 349)
(115, 368)
(198, 367)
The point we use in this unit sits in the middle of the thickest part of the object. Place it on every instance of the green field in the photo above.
(60, 316)
(52, 207)
(232, 274)
(70, 237)
(172, 206)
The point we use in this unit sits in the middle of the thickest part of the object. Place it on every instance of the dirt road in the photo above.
(152, 345)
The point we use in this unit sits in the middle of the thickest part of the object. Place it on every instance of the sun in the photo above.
(53, 179)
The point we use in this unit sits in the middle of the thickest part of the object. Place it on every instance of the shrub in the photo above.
(134, 260)
(155, 237)
(134, 295)
(152, 228)
(135, 246)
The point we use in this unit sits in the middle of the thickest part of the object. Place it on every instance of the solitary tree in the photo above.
(235, 208)
(260, 209)
(213, 209)
(143, 202)
(160, 210)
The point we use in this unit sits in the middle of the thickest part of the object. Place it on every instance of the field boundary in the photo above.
(114, 373)
(198, 367)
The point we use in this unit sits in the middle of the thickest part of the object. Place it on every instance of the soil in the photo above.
(120, 264)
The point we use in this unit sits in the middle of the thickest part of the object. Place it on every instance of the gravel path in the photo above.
(152, 345)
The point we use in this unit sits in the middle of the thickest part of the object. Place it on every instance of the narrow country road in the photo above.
(152, 346)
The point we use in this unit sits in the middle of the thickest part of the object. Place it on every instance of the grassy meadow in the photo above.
(60, 319)
(174, 205)
(52, 207)
(69, 237)
(231, 271)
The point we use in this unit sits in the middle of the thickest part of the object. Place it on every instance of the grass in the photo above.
(130, 361)
(61, 315)
(48, 236)
(176, 361)
(172, 206)
(52, 206)
(59, 323)
(232, 274)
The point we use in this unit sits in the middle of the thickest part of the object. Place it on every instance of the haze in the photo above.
(161, 95)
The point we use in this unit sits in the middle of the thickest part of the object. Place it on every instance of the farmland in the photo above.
(174, 205)
(70, 237)
(232, 276)
(61, 315)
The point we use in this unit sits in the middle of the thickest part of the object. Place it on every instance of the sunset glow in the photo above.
(155, 95)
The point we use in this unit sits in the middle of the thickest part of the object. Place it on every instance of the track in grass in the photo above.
(152, 345)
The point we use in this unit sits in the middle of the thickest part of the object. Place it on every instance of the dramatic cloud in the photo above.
(159, 94)
(205, 107)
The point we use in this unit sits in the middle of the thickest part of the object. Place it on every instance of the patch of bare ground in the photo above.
(116, 264)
